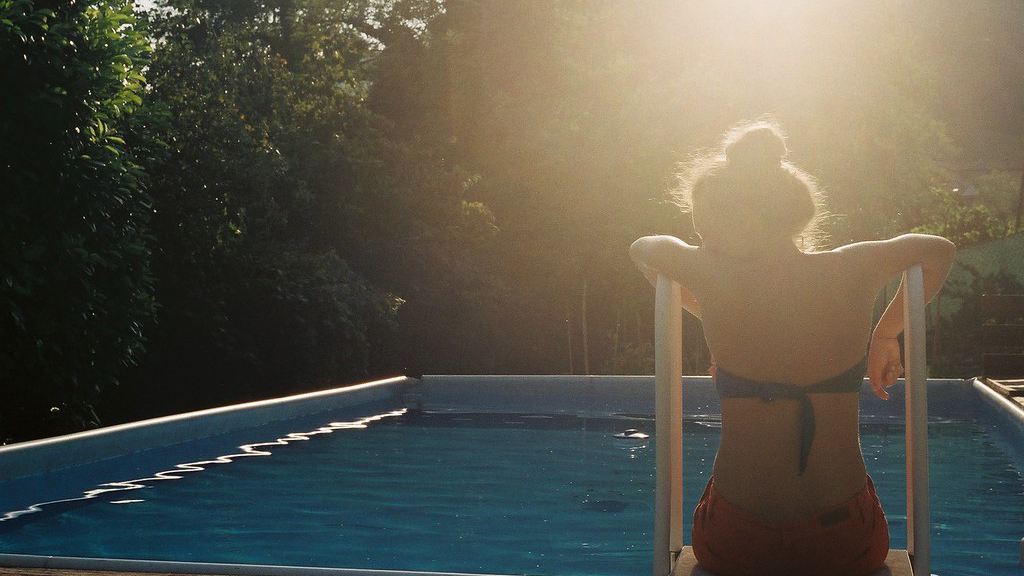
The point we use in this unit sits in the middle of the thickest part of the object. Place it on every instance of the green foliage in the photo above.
(956, 339)
(964, 225)
(555, 106)
(298, 221)
(631, 358)
(887, 150)
(1000, 191)
(572, 113)
(345, 188)
(982, 211)
(75, 287)
(247, 129)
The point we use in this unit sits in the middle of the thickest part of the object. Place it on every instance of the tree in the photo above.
(296, 214)
(75, 285)
(574, 115)
(255, 135)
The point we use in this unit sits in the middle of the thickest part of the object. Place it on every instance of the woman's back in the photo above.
(797, 319)
(784, 316)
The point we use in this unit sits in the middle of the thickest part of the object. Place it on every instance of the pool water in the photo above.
(490, 493)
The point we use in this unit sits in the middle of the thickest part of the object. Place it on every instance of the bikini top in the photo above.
(732, 386)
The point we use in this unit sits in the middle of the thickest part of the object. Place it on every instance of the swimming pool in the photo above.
(483, 475)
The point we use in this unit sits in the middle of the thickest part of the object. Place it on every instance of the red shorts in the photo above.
(850, 540)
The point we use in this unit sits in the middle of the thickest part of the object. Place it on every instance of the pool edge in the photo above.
(168, 567)
(48, 454)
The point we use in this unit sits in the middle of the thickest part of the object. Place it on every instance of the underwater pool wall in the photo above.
(596, 396)
(592, 396)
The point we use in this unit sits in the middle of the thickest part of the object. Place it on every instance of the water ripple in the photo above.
(109, 490)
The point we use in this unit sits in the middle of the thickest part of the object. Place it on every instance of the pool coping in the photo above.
(48, 454)
(1008, 413)
(166, 567)
(1013, 408)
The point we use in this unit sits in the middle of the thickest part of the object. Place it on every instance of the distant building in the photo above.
(966, 174)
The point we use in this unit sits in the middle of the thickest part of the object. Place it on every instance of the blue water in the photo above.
(488, 493)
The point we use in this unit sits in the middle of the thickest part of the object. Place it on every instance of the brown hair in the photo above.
(747, 188)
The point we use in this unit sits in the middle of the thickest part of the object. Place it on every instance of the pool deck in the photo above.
(896, 564)
(55, 572)
(237, 570)
(34, 565)
(64, 572)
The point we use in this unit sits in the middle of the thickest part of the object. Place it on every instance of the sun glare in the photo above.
(761, 56)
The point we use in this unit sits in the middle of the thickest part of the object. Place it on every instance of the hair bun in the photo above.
(756, 145)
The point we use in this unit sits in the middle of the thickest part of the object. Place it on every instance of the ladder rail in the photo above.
(916, 405)
(668, 439)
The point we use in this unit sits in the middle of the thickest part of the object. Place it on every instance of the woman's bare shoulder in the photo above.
(884, 259)
(902, 250)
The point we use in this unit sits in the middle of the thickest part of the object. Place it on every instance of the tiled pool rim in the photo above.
(576, 395)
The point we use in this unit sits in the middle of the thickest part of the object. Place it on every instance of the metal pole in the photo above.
(668, 374)
(916, 395)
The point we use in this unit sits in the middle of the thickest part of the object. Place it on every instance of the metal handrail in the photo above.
(668, 369)
(916, 401)
(668, 425)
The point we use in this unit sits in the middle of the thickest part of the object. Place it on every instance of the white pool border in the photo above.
(167, 568)
(49, 454)
(1008, 410)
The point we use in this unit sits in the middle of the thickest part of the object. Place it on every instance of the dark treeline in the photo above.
(215, 201)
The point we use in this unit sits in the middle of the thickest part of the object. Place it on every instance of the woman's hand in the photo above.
(884, 365)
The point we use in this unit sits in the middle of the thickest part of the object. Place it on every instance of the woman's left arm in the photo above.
(667, 255)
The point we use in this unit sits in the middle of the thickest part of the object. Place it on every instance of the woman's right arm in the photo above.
(886, 259)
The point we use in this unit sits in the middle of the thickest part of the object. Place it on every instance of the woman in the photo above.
(787, 329)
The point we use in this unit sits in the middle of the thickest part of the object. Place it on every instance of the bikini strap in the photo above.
(732, 386)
